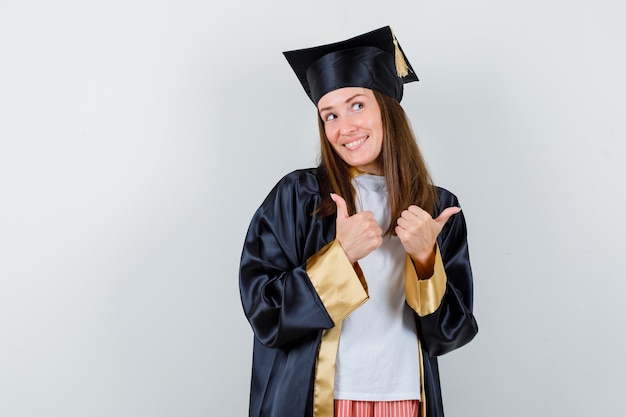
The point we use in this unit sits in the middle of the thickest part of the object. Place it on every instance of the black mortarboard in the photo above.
(373, 60)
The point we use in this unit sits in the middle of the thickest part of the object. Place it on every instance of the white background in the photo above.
(137, 138)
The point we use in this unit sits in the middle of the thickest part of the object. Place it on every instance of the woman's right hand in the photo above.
(359, 234)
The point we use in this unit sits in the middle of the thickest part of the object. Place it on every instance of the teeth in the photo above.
(354, 144)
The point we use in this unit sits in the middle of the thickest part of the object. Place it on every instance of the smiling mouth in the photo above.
(355, 143)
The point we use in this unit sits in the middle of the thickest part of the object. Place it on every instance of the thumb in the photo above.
(446, 214)
(342, 207)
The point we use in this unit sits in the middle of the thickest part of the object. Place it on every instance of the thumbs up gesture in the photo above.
(358, 234)
(418, 233)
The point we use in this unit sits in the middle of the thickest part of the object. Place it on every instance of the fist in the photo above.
(359, 234)
(418, 233)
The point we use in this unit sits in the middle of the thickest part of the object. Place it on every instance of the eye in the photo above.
(357, 106)
(329, 117)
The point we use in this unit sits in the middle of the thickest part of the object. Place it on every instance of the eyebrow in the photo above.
(347, 101)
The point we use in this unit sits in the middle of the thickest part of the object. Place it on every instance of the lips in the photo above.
(355, 143)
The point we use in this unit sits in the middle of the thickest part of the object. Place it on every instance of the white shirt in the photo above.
(378, 357)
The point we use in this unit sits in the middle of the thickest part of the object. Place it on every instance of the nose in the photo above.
(347, 127)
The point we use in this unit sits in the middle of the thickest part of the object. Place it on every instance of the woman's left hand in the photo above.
(418, 233)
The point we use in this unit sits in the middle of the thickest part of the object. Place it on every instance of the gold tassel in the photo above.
(402, 68)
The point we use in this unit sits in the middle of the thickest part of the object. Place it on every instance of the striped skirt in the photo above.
(350, 408)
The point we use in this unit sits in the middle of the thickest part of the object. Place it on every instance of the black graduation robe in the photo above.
(297, 285)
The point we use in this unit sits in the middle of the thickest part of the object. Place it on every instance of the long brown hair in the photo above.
(406, 174)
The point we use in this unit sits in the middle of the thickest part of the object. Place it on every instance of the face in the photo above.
(354, 126)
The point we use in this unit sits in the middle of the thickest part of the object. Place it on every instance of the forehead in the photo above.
(342, 95)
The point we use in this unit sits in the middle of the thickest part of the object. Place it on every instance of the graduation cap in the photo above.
(373, 60)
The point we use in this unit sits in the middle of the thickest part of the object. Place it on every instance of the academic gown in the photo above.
(297, 285)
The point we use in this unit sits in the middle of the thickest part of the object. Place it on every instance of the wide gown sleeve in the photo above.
(444, 303)
(284, 243)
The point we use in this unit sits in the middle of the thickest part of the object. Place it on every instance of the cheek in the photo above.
(332, 134)
(333, 144)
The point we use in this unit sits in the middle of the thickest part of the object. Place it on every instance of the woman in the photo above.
(355, 275)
